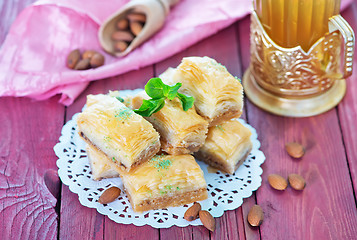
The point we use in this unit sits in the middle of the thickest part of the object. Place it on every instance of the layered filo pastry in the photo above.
(165, 181)
(100, 164)
(181, 132)
(125, 137)
(218, 95)
(226, 147)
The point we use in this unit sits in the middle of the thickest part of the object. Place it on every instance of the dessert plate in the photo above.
(225, 191)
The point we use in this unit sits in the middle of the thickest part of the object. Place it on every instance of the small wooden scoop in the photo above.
(155, 12)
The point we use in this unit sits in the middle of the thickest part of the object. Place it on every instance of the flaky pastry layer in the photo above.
(122, 135)
(215, 90)
(163, 181)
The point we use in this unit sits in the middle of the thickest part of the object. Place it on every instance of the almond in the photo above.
(88, 54)
(277, 182)
(123, 24)
(207, 220)
(136, 27)
(255, 216)
(122, 36)
(139, 17)
(192, 213)
(73, 58)
(97, 60)
(295, 149)
(109, 195)
(296, 181)
(82, 65)
(120, 46)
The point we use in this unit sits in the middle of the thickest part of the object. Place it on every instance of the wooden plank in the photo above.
(93, 225)
(29, 130)
(244, 50)
(222, 47)
(326, 208)
(347, 109)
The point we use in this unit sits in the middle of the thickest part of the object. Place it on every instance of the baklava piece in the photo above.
(218, 95)
(181, 132)
(165, 181)
(100, 165)
(227, 146)
(123, 136)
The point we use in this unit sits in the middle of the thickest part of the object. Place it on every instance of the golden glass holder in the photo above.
(292, 82)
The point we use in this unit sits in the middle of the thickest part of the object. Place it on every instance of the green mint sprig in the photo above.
(159, 92)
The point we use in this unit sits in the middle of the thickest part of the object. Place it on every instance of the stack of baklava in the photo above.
(153, 155)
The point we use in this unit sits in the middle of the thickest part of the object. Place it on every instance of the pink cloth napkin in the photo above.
(33, 56)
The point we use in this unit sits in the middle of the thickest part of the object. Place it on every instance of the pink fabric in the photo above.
(32, 58)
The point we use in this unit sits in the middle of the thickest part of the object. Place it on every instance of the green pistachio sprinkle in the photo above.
(123, 114)
(107, 139)
(220, 128)
(160, 163)
(113, 159)
(177, 188)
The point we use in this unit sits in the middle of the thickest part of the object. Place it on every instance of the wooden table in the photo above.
(326, 209)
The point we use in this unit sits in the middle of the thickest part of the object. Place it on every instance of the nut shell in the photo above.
(207, 220)
(82, 64)
(123, 24)
(277, 182)
(88, 54)
(136, 27)
(139, 17)
(122, 36)
(296, 181)
(97, 60)
(73, 58)
(109, 195)
(120, 46)
(295, 150)
(255, 216)
(192, 212)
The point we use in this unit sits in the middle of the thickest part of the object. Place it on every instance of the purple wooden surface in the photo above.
(326, 209)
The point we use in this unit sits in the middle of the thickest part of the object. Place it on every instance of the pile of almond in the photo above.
(297, 182)
(127, 29)
(206, 218)
(89, 59)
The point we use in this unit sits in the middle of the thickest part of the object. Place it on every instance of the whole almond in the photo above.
(255, 216)
(120, 46)
(207, 220)
(82, 64)
(136, 27)
(123, 24)
(73, 58)
(277, 182)
(136, 17)
(192, 213)
(109, 195)
(88, 54)
(295, 149)
(97, 60)
(296, 181)
(122, 36)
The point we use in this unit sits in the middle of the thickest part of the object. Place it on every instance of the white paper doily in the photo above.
(225, 192)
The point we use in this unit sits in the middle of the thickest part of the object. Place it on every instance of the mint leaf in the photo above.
(186, 101)
(155, 88)
(149, 107)
(120, 99)
(173, 91)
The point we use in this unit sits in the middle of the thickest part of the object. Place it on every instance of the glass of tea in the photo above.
(296, 51)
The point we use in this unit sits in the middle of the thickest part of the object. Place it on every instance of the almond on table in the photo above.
(255, 216)
(277, 182)
(296, 181)
(295, 150)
